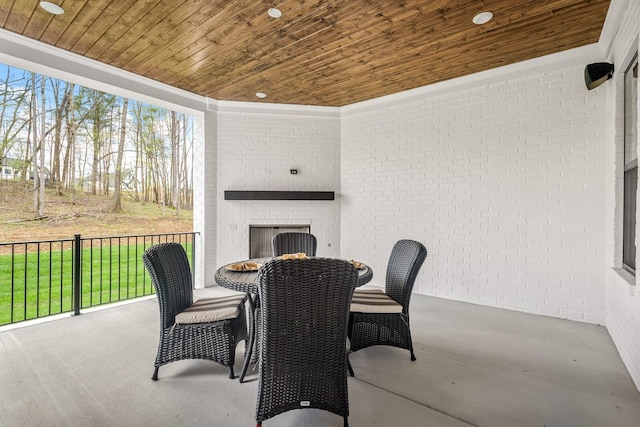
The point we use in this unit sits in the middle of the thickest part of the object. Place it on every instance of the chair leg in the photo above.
(346, 422)
(155, 374)
(248, 353)
(349, 367)
(413, 356)
(231, 374)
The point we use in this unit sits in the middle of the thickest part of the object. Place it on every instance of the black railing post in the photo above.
(77, 271)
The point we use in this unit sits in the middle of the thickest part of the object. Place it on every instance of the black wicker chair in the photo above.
(303, 356)
(290, 243)
(382, 318)
(209, 328)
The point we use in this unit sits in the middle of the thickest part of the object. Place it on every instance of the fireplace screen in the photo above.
(260, 237)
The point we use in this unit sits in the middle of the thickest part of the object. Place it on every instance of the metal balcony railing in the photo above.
(47, 277)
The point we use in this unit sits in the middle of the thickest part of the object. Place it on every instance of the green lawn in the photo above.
(33, 285)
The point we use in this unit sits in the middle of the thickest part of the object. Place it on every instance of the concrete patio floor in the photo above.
(477, 366)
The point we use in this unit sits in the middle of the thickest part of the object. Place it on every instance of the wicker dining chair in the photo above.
(382, 318)
(289, 243)
(209, 328)
(303, 355)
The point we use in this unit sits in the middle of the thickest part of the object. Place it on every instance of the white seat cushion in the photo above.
(373, 300)
(211, 310)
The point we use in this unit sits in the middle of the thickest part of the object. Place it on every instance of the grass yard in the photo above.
(33, 285)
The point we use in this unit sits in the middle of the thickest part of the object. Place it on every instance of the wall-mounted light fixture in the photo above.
(597, 73)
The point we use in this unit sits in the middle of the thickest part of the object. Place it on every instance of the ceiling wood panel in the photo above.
(128, 32)
(81, 14)
(57, 28)
(321, 52)
(101, 14)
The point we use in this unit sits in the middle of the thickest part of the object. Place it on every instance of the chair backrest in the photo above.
(168, 266)
(405, 261)
(304, 313)
(291, 243)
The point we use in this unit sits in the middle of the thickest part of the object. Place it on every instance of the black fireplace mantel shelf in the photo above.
(279, 195)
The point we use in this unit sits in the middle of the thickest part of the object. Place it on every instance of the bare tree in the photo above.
(183, 167)
(186, 178)
(107, 154)
(62, 99)
(189, 175)
(139, 168)
(95, 107)
(96, 133)
(41, 180)
(152, 147)
(12, 124)
(26, 158)
(117, 206)
(68, 168)
(174, 141)
(37, 167)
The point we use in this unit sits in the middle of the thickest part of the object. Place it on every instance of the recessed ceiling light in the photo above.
(482, 18)
(261, 95)
(274, 12)
(51, 7)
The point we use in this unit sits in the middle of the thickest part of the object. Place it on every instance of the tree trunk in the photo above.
(68, 166)
(96, 154)
(139, 172)
(106, 155)
(60, 112)
(42, 176)
(175, 160)
(37, 164)
(117, 205)
(34, 133)
(191, 186)
(185, 180)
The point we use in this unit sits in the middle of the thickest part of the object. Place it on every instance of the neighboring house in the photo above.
(128, 180)
(10, 168)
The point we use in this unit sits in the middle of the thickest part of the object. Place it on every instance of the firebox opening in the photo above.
(260, 237)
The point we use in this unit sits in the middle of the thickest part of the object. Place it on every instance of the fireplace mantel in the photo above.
(279, 195)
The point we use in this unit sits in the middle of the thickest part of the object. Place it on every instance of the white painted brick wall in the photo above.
(622, 297)
(503, 183)
(256, 152)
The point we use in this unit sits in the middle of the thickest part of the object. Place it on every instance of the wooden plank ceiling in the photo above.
(320, 52)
